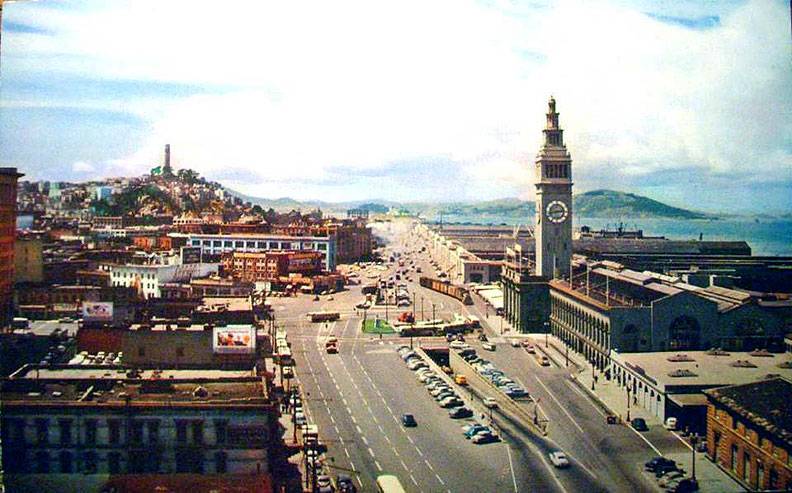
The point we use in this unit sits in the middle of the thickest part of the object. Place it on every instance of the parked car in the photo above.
(488, 346)
(667, 478)
(460, 412)
(559, 459)
(670, 424)
(639, 424)
(687, 485)
(652, 464)
(408, 421)
(515, 343)
(451, 402)
(483, 438)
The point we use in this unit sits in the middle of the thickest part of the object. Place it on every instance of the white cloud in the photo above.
(83, 167)
(366, 84)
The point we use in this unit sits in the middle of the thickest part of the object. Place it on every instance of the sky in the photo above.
(687, 102)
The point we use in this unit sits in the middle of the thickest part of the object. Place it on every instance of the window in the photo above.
(136, 433)
(42, 462)
(65, 431)
(221, 462)
(114, 431)
(180, 352)
(197, 429)
(181, 432)
(90, 463)
(734, 458)
(221, 431)
(114, 463)
(42, 431)
(65, 462)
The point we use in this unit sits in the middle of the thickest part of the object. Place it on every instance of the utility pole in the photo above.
(422, 311)
(566, 353)
(694, 438)
(627, 388)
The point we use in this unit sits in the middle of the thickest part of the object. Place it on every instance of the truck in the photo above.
(331, 346)
(324, 316)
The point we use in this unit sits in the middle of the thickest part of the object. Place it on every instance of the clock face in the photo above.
(557, 211)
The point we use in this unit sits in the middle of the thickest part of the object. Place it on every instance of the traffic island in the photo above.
(377, 327)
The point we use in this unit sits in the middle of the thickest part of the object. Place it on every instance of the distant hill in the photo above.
(597, 203)
(609, 203)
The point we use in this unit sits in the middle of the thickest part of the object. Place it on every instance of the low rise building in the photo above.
(78, 421)
(149, 278)
(218, 244)
(749, 433)
(268, 266)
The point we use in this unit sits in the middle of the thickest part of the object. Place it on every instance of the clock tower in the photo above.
(553, 201)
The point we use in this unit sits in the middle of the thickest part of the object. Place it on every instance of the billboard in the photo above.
(191, 255)
(239, 339)
(97, 311)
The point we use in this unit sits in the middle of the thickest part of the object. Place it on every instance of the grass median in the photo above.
(377, 327)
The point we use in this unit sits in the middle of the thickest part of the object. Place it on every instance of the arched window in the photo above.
(685, 333)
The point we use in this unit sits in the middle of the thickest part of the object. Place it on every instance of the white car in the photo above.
(559, 459)
(490, 402)
(458, 345)
(670, 424)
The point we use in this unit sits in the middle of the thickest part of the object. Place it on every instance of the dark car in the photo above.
(663, 469)
(408, 420)
(345, 484)
(658, 461)
(639, 424)
(687, 485)
(460, 412)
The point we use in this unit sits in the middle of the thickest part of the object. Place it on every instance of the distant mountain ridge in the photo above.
(596, 203)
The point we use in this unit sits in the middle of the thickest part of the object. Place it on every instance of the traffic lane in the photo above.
(565, 430)
(321, 407)
(411, 461)
(588, 436)
(439, 437)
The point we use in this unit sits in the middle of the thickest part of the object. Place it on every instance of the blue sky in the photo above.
(686, 102)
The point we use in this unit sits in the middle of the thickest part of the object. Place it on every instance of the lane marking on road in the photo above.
(364, 440)
(440, 479)
(371, 452)
(348, 456)
(379, 467)
(645, 440)
(585, 397)
(552, 472)
(428, 465)
(511, 467)
(360, 432)
(559, 405)
(404, 465)
(410, 439)
(353, 419)
(419, 451)
(413, 480)
(343, 399)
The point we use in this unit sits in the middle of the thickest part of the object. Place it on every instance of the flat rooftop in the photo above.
(114, 386)
(706, 368)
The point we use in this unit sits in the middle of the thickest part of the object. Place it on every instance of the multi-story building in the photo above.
(749, 433)
(148, 279)
(268, 266)
(107, 222)
(219, 244)
(28, 259)
(74, 421)
(8, 213)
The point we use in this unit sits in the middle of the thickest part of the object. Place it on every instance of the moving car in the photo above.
(345, 484)
(408, 421)
(639, 424)
(490, 402)
(488, 346)
(324, 483)
(559, 459)
(670, 424)
(515, 343)
(655, 462)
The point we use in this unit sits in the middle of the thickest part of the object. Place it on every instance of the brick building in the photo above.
(268, 266)
(749, 433)
(8, 212)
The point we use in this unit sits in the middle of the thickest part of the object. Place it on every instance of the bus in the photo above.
(324, 316)
(387, 483)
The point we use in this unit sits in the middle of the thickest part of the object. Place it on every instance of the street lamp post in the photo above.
(593, 375)
(627, 388)
(547, 331)
(694, 438)
(422, 312)
(566, 353)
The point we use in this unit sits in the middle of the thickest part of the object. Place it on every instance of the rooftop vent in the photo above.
(680, 372)
(761, 352)
(680, 358)
(716, 351)
(741, 363)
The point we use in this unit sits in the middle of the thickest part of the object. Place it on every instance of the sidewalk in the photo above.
(614, 399)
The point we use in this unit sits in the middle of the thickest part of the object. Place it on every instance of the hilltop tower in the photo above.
(553, 201)
(166, 168)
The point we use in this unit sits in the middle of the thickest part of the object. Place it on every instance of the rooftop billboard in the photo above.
(97, 311)
(234, 340)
